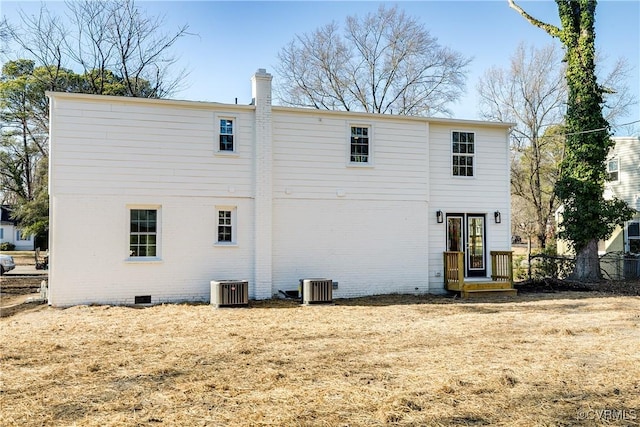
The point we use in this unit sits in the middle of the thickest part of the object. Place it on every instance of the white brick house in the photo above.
(159, 197)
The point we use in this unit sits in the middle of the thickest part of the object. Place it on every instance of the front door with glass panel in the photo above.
(466, 233)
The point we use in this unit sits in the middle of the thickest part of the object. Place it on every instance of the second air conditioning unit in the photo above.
(229, 293)
(316, 291)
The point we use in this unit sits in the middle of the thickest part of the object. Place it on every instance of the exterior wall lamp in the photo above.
(497, 217)
(439, 217)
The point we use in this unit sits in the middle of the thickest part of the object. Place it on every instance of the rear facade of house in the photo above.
(158, 198)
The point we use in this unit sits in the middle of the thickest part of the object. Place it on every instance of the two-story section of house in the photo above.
(623, 182)
(160, 197)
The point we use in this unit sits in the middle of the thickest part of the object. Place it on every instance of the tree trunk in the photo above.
(587, 263)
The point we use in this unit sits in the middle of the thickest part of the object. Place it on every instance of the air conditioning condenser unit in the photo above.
(316, 291)
(229, 293)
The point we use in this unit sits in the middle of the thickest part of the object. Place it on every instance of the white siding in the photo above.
(484, 193)
(90, 262)
(108, 154)
(302, 209)
(311, 158)
(627, 151)
(115, 147)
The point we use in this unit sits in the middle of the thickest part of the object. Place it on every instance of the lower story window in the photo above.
(633, 234)
(143, 234)
(226, 217)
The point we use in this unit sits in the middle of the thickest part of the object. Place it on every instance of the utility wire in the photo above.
(579, 132)
(598, 130)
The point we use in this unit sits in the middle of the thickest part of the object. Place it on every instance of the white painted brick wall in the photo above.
(261, 88)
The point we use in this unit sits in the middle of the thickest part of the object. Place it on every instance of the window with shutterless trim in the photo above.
(226, 127)
(462, 153)
(360, 145)
(226, 225)
(613, 167)
(144, 233)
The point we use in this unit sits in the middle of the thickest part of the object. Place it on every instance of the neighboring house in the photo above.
(160, 197)
(623, 182)
(10, 233)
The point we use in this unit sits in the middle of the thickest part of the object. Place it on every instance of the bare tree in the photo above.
(532, 94)
(385, 62)
(110, 40)
(42, 37)
(118, 36)
(5, 35)
(121, 51)
(618, 98)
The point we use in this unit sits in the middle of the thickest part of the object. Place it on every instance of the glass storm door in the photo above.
(466, 233)
(475, 250)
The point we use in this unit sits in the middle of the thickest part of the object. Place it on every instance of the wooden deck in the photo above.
(500, 282)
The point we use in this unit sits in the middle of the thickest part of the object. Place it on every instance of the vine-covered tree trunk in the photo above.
(587, 217)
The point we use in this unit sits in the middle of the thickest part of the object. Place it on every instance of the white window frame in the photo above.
(617, 170)
(370, 136)
(218, 118)
(467, 155)
(158, 233)
(233, 210)
(628, 237)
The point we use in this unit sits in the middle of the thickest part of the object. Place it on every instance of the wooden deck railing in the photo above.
(453, 270)
(502, 266)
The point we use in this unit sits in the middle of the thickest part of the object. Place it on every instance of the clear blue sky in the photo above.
(234, 38)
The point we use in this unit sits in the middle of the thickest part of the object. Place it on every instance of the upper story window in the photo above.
(613, 166)
(226, 217)
(463, 151)
(360, 145)
(226, 135)
(143, 233)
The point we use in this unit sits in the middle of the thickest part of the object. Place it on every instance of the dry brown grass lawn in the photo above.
(561, 359)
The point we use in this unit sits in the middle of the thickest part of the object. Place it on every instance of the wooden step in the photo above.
(479, 293)
(474, 286)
